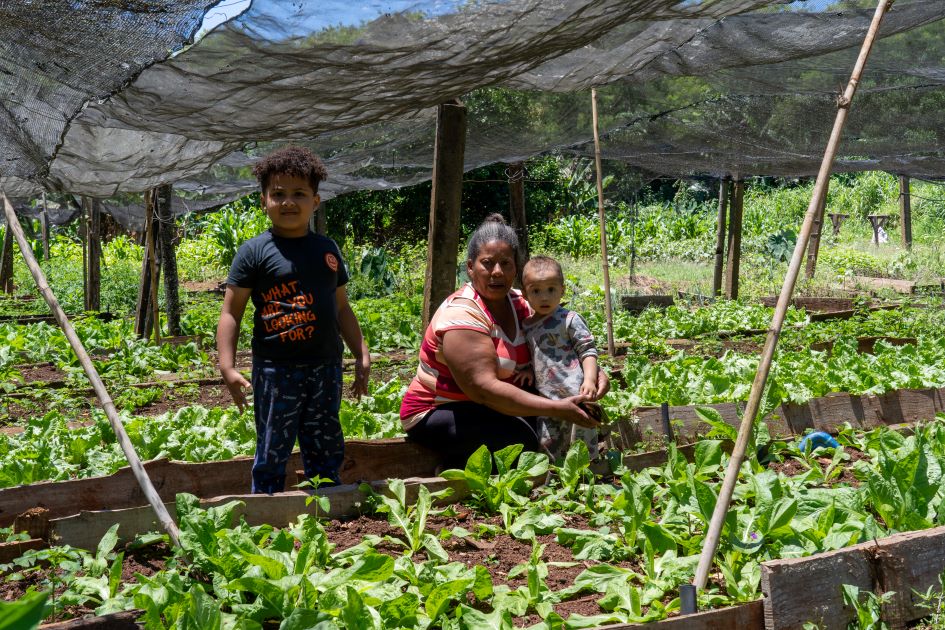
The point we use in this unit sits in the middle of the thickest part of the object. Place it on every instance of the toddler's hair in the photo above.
(294, 161)
(537, 264)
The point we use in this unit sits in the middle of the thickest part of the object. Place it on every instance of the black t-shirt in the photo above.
(293, 282)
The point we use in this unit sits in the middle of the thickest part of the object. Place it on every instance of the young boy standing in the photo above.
(564, 357)
(296, 280)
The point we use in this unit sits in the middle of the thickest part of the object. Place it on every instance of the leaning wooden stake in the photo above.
(764, 366)
(611, 348)
(146, 487)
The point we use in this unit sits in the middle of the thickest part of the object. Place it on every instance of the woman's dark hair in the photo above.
(294, 161)
(493, 228)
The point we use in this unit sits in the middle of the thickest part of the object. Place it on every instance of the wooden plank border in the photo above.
(826, 413)
(124, 620)
(748, 616)
(86, 529)
(903, 563)
(12, 550)
(364, 460)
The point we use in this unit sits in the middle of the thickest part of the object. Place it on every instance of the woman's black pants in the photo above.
(456, 430)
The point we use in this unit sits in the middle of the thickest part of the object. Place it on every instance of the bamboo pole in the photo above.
(107, 405)
(608, 309)
(777, 321)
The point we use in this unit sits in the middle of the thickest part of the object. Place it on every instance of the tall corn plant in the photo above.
(230, 227)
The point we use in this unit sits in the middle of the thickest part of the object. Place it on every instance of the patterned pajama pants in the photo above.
(296, 401)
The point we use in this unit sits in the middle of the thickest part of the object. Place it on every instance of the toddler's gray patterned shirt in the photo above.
(558, 343)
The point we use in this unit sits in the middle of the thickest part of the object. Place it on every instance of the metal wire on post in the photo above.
(777, 321)
(107, 405)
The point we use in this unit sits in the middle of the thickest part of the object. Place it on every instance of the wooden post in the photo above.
(445, 201)
(905, 211)
(84, 239)
(167, 235)
(6, 261)
(44, 227)
(107, 405)
(602, 219)
(143, 305)
(784, 299)
(93, 244)
(720, 238)
(734, 239)
(151, 254)
(516, 173)
(813, 246)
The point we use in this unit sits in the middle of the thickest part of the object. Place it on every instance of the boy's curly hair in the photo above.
(295, 161)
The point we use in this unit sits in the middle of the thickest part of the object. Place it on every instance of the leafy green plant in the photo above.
(410, 520)
(26, 612)
(515, 470)
(867, 607)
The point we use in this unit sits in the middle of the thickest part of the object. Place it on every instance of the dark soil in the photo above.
(792, 467)
(173, 399)
(208, 286)
(40, 372)
(499, 555)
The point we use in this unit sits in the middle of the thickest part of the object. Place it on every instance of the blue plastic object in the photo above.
(817, 440)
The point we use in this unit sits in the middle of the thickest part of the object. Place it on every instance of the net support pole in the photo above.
(6, 261)
(734, 239)
(516, 174)
(445, 202)
(151, 254)
(107, 405)
(44, 227)
(777, 320)
(167, 234)
(720, 238)
(93, 244)
(83, 232)
(817, 230)
(905, 211)
(608, 307)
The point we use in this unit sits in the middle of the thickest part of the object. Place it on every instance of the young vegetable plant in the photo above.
(410, 520)
(513, 482)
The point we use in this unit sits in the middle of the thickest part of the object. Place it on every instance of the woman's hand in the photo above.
(570, 409)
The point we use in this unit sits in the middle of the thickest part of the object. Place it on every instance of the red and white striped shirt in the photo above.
(434, 384)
